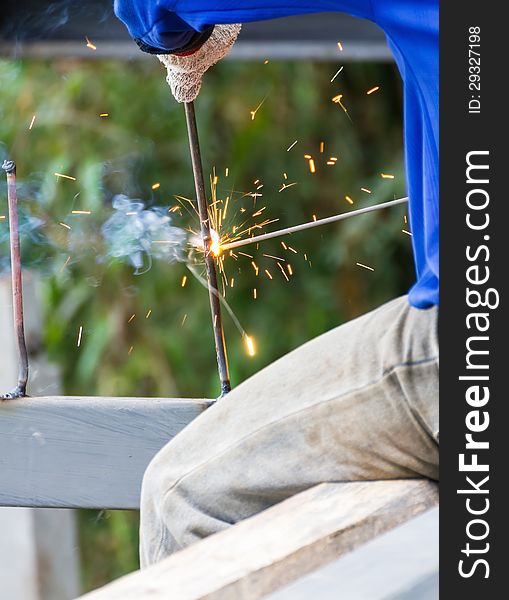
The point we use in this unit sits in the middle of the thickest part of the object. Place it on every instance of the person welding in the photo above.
(359, 402)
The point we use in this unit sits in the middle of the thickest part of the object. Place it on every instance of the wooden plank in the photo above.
(267, 551)
(84, 452)
(400, 564)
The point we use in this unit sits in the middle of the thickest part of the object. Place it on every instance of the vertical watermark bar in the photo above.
(474, 415)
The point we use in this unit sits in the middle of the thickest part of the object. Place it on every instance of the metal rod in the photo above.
(310, 224)
(215, 305)
(17, 285)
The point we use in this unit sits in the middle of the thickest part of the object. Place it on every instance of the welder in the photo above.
(359, 402)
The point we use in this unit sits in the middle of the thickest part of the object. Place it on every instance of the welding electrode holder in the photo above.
(17, 285)
(201, 200)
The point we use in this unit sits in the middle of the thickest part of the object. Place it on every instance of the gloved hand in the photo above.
(185, 52)
(185, 71)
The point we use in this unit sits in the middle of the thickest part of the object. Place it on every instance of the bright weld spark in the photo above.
(266, 62)
(314, 217)
(226, 172)
(133, 316)
(2, 217)
(292, 145)
(244, 254)
(372, 90)
(81, 212)
(348, 199)
(32, 122)
(79, 336)
(274, 257)
(250, 345)
(366, 190)
(183, 320)
(90, 44)
(340, 69)
(286, 185)
(184, 281)
(340, 46)
(253, 112)
(215, 244)
(255, 294)
(292, 250)
(365, 266)
(386, 176)
(65, 225)
(404, 219)
(65, 176)
(129, 352)
(290, 270)
(283, 271)
(322, 147)
(148, 314)
(255, 267)
(407, 232)
(307, 156)
(337, 100)
(312, 167)
(268, 273)
(103, 115)
(232, 282)
(155, 186)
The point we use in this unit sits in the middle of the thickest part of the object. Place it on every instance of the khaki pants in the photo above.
(357, 403)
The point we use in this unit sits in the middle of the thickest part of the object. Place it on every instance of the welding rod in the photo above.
(17, 285)
(215, 305)
(353, 213)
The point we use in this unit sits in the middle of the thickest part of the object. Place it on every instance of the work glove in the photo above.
(185, 52)
(185, 71)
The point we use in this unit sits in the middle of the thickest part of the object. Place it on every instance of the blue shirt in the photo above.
(411, 27)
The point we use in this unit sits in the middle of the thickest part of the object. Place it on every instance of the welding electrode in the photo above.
(215, 304)
(17, 285)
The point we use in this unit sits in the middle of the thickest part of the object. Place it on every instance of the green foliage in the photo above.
(142, 141)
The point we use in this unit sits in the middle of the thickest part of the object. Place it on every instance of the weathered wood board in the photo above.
(273, 548)
(401, 564)
(84, 452)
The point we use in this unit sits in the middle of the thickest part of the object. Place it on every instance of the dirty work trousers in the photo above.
(357, 403)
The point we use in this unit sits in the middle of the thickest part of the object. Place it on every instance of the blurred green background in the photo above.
(143, 141)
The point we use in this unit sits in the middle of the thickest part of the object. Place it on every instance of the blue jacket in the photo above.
(411, 27)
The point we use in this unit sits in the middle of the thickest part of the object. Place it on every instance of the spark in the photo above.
(65, 264)
(131, 348)
(292, 249)
(340, 69)
(250, 345)
(283, 271)
(322, 147)
(314, 218)
(32, 122)
(215, 244)
(407, 232)
(65, 176)
(244, 254)
(232, 282)
(386, 176)
(286, 185)
(340, 46)
(148, 314)
(290, 270)
(312, 167)
(253, 112)
(291, 146)
(366, 190)
(81, 212)
(79, 335)
(156, 185)
(226, 172)
(131, 318)
(255, 294)
(2, 217)
(348, 199)
(372, 90)
(255, 267)
(184, 281)
(274, 257)
(364, 266)
(338, 100)
(268, 273)
(103, 115)
(183, 320)
(90, 44)
(65, 225)
(404, 219)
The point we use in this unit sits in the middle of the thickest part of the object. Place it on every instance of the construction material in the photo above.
(201, 200)
(310, 224)
(84, 452)
(267, 551)
(17, 285)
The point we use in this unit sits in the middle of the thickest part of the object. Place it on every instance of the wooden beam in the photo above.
(267, 551)
(84, 452)
(401, 564)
